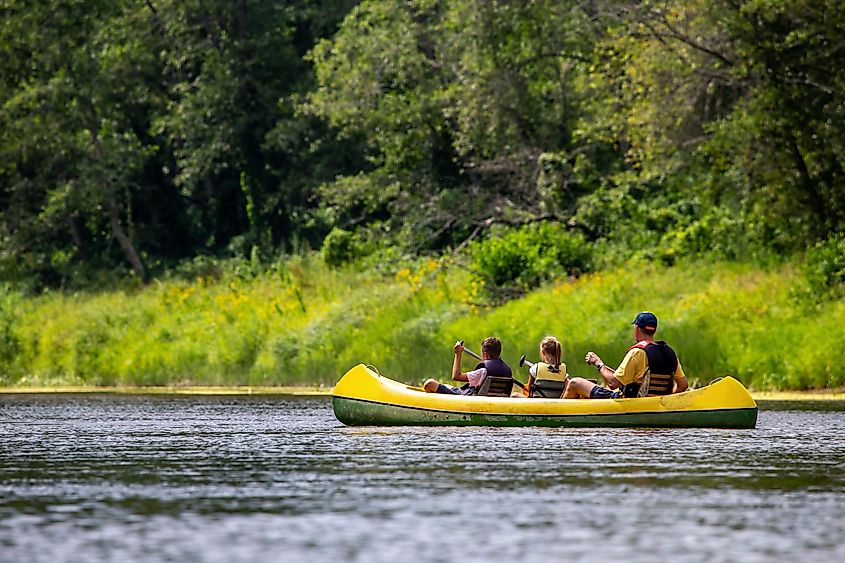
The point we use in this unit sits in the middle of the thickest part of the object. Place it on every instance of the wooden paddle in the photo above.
(479, 358)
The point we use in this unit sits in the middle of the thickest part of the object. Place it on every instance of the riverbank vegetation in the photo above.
(303, 322)
(257, 192)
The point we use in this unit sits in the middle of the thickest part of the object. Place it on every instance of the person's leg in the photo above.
(446, 389)
(434, 386)
(578, 388)
(598, 392)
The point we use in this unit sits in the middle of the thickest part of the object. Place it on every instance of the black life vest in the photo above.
(662, 363)
(495, 368)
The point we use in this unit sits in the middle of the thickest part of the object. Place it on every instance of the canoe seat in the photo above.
(496, 387)
(548, 388)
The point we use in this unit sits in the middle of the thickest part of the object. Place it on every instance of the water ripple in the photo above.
(137, 478)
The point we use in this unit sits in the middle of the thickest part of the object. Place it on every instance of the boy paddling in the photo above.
(491, 364)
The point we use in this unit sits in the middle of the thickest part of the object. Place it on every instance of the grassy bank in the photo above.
(325, 391)
(170, 390)
(305, 324)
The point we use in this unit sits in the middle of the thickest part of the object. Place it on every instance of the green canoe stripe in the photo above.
(478, 413)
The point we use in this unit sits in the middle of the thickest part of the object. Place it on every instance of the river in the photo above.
(278, 478)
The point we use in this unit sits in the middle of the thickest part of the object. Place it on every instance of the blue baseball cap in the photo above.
(646, 320)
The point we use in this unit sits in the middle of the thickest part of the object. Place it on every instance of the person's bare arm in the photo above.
(456, 363)
(605, 371)
(681, 383)
(607, 374)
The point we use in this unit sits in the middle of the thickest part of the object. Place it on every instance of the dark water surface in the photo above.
(150, 478)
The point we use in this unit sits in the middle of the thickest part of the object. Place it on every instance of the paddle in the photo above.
(479, 358)
(522, 362)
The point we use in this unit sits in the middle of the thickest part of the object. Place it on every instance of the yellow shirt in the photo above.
(635, 364)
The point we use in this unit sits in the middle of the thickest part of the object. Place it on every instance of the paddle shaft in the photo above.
(523, 361)
(477, 357)
(473, 354)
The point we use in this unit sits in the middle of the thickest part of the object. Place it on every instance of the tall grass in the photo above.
(305, 323)
(721, 318)
(301, 323)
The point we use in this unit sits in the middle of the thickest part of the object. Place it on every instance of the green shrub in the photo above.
(342, 247)
(719, 233)
(516, 260)
(198, 267)
(10, 303)
(824, 268)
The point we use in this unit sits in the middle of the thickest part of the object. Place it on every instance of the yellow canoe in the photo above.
(364, 398)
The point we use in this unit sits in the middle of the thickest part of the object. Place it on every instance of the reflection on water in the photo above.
(92, 477)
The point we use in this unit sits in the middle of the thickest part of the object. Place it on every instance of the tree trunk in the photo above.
(811, 192)
(123, 240)
(111, 204)
(76, 235)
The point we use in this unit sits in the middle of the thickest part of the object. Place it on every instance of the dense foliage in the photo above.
(824, 269)
(135, 136)
(168, 127)
(509, 263)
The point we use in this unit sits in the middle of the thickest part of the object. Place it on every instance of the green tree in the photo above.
(234, 71)
(461, 105)
(732, 104)
(69, 137)
(167, 127)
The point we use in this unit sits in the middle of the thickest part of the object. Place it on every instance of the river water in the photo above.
(270, 478)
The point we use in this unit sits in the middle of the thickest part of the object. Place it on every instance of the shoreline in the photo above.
(313, 390)
(303, 390)
(822, 395)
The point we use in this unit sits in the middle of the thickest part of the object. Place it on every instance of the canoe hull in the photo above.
(364, 398)
(356, 412)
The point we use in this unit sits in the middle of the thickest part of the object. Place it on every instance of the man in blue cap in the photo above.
(649, 368)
